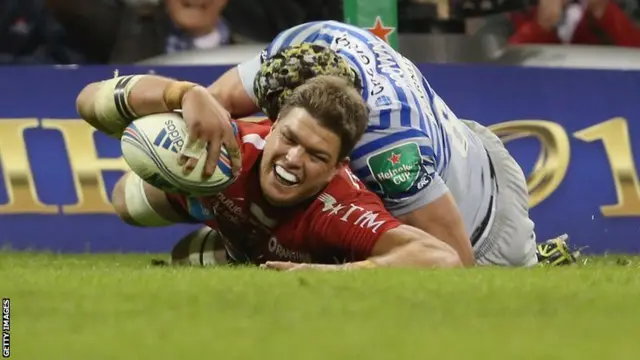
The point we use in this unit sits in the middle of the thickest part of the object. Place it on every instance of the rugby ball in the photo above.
(151, 146)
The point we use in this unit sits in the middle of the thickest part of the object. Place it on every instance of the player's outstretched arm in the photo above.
(406, 246)
(138, 203)
(110, 105)
(400, 247)
(363, 231)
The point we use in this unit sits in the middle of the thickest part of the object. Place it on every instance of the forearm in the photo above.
(452, 237)
(147, 95)
(457, 239)
(443, 222)
(111, 104)
(407, 246)
(416, 254)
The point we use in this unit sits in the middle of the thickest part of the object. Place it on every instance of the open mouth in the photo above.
(284, 177)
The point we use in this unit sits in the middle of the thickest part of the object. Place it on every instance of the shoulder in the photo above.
(343, 192)
(345, 213)
(252, 134)
(251, 137)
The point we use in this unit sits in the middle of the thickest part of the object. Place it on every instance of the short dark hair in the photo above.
(291, 67)
(336, 105)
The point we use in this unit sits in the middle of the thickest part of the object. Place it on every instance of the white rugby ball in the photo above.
(151, 146)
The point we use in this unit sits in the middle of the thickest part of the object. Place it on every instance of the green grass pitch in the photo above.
(118, 307)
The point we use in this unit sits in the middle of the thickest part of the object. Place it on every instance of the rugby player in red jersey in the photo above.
(294, 204)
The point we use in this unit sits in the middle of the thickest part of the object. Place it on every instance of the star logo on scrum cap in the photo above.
(380, 30)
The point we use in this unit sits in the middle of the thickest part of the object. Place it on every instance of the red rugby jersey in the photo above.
(342, 223)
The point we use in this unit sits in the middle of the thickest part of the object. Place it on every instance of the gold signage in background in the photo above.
(553, 160)
(16, 170)
(614, 134)
(87, 168)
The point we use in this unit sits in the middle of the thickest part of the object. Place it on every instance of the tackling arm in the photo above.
(232, 93)
(234, 89)
(405, 176)
(441, 218)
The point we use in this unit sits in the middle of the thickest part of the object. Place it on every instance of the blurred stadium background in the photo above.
(227, 31)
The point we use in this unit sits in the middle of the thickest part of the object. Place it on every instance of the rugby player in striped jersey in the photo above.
(451, 178)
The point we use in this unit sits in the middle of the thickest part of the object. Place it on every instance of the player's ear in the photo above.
(273, 126)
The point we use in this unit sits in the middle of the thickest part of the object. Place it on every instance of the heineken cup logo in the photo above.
(396, 169)
(397, 174)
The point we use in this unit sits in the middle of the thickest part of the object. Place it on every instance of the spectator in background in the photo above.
(30, 35)
(126, 31)
(262, 20)
(196, 24)
(597, 22)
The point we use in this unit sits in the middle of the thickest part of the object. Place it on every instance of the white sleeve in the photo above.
(435, 189)
(248, 71)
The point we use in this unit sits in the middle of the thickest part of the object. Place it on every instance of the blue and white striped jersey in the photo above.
(415, 148)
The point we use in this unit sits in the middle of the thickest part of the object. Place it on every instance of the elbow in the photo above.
(451, 259)
(86, 108)
(85, 100)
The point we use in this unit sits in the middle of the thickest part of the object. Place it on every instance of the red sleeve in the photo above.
(349, 225)
(619, 26)
(529, 32)
(251, 127)
(250, 144)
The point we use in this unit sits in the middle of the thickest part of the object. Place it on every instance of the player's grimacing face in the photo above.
(300, 157)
